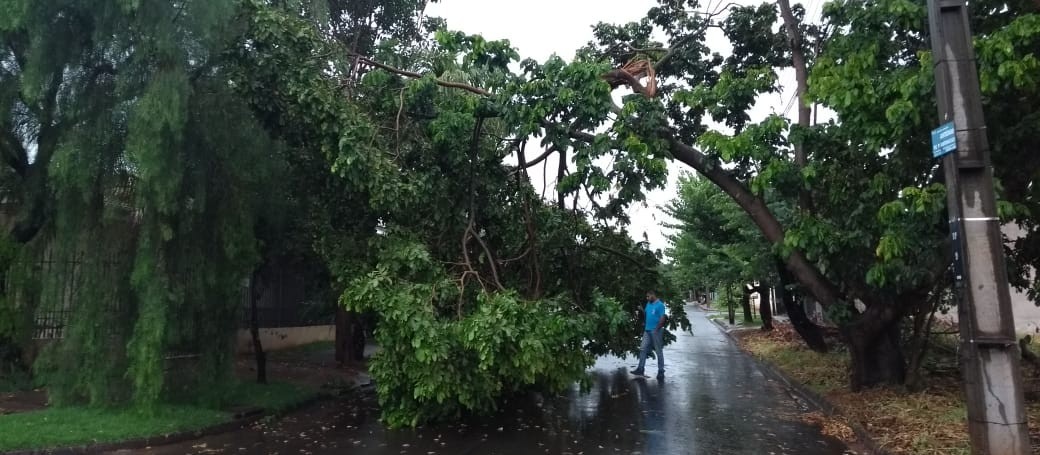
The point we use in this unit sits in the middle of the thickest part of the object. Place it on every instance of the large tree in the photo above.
(147, 153)
(876, 73)
(482, 288)
(130, 158)
(679, 88)
(849, 243)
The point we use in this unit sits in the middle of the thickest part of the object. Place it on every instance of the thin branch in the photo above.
(623, 256)
(592, 200)
(521, 256)
(503, 139)
(535, 282)
(644, 50)
(561, 171)
(545, 178)
(469, 88)
(471, 225)
(180, 11)
(630, 49)
(674, 48)
(521, 157)
(462, 289)
(397, 126)
(414, 75)
(537, 160)
(491, 261)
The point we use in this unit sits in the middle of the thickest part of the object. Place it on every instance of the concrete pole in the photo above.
(989, 352)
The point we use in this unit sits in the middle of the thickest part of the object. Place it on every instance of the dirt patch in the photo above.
(830, 426)
(313, 366)
(30, 400)
(308, 366)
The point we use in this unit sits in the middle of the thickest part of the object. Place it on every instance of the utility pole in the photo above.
(989, 352)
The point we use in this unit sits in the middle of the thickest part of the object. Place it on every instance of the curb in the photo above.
(809, 396)
(238, 421)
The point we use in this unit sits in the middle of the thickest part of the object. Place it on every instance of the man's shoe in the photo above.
(660, 375)
(637, 372)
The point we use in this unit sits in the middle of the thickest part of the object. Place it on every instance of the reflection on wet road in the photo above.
(713, 400)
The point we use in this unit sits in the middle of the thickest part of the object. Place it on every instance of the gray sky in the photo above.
(540, 28)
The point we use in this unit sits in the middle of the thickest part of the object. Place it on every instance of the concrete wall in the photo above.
(285, 337)
(1026, 313)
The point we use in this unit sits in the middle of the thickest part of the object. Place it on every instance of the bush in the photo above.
(440, 359)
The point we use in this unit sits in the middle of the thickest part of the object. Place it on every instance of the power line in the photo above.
(790, 102)
(809, 9)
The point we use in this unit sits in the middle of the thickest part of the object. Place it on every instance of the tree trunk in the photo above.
(745, 304)
(730, 307)
(357, 337)
(810, 332)
(765, 310)
(919, 342)
(801, 76)
(778, 303)
(342, 335)
(256, 289)
(350, 337)
(876, 355)
(342, 341)
(34, 175)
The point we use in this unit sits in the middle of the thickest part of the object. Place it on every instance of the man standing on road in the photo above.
(653, 332)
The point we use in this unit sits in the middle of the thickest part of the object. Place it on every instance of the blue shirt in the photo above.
(654, 312)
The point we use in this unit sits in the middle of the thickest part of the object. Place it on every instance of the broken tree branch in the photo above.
(807, 273)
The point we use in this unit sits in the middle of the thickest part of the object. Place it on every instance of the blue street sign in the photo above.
(944, 140)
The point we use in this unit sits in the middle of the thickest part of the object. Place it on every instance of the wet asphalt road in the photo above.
(713, 400)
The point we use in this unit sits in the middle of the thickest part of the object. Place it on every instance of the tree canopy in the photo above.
(869, 209)
(481, 287)
(175, 144)
(128, 153)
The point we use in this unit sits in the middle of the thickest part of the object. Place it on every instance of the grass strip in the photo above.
(76, 426)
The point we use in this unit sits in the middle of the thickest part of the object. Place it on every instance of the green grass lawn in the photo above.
(57, 427)
(301, 351)
(71, 426)
(740, 322)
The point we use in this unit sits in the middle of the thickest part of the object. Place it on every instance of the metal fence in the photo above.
(288, 300)
(52, 283)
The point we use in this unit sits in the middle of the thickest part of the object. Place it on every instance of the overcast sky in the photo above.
(540, 28)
